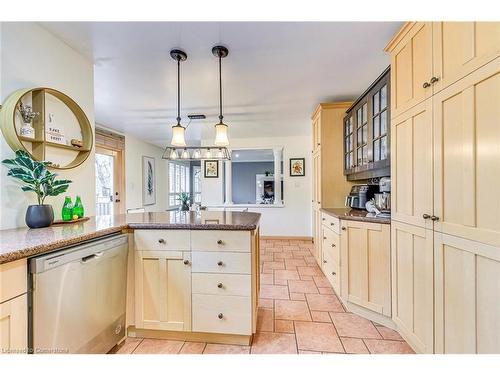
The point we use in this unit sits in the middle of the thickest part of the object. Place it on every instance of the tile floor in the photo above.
(298, 313)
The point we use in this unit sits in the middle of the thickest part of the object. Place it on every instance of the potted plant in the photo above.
(184, 198)
(36, 178)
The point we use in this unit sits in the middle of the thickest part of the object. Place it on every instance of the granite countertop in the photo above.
(24, 242)
(346, 213)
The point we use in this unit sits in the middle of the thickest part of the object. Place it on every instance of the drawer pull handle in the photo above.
(220, 263)
(186, 262)
(434, 80)
(434, 218)
(343, 228)
(426, 216)
(220, 285)
(162, 241)
(426, 84)
(220, 316)
(334, 273)
(220, 242)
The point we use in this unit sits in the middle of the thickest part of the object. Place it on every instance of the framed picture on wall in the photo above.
(297, 167)
(148, 181)
(211, 169)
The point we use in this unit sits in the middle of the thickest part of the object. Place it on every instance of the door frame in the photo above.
(119, 174)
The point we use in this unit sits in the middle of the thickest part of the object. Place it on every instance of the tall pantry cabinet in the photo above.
(329, 185)
(445, 169)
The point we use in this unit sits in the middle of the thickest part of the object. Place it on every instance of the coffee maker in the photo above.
(359, 195)
(382, 199)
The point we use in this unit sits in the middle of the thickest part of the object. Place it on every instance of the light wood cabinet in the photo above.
(411, 66)
(412, 165)
(467, 311)
(331, 257)
(366, 265)
(317, 236)
(163, 290)
(14, 325)
(467, 154)
(412, 284)
(316, 198)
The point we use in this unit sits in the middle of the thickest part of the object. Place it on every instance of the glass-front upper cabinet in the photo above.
(366, 132)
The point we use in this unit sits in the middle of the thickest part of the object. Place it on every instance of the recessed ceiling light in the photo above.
(236, 155)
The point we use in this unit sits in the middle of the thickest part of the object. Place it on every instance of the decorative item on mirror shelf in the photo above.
(297, 167)
(53, 133)
(36, 178)
(148, 181)
(28, 115)
(184, 198)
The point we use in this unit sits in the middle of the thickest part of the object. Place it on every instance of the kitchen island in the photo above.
(190, 275)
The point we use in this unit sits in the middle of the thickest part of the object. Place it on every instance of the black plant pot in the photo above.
(39, 215)
(184, 207)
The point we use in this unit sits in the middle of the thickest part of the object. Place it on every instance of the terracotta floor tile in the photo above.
(320, 316)
(388, 347)
(127, 346)
(269, 266)
(324, 302)
(318, 337)
(290, 247)
(226, 349)
(266, 278)
(291, 264)
(266, 303)
(282, 256)
(297, 296)
(156, 346)
(301, 252)
(354, 346)
(267, 258)
(309, 271)
(322, 282)
(299, 286)
(193, 348)
(308, 352)
(274, 343)
(310, 260)
(286, 275)
(265, 320)
(389, 334)
(326, 291)
(280, 282)
(351, 325)
(306, 278)
(292, 310)
(284, 326)
(273, 291)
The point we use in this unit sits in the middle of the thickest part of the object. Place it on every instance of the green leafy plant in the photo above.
(184, 197)
(35, 176)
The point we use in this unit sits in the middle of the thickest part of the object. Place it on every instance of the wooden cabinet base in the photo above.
(214, 338)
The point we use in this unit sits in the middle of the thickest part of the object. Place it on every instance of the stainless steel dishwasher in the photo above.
(77, 297)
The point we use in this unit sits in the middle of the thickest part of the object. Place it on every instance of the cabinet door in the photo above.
(467, 312)
(317, 180)
(412, 284)
(163, 290)
(316, 132)
(317, 230)
(411, 165)
(462, 47)
(366, 269)
(349, 139)
(467, 154)
(361, 130)
(411, 68)
(14, 325)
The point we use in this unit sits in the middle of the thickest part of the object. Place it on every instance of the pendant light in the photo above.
(178, 136)
(221, 138)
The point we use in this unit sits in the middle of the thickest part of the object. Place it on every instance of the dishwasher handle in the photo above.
(88, 258)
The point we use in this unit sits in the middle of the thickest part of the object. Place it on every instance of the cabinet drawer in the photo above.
(222, 284)
(221, 262)
(331, 248)
(161, 239)
(13, 279)
(331, 222)
(220, 240)
(331, 270)
(222, 314)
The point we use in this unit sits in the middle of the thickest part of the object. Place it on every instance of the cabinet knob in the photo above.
(434, 218)
(220, 242)
(343, 228)
(186, 262)
(334, 273)
(426, 84)
(319, 144)
(220, 316)
(162, 241)
(426, 216)
(319, 202)
(324, 238)
(220, 285)
(332, 223)
(333, 245)
(323, 219)
(434, 80)
(219, 263)
(324, 261)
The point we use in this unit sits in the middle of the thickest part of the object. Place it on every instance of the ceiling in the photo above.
(274, 76)
(245, 156)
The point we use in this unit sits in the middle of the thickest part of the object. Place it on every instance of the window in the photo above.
(178, 174)
(197, 184)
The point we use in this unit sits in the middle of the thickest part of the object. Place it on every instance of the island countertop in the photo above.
(24, 242)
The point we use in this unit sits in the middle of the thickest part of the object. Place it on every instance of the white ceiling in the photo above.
(245, 156)
(274, 76)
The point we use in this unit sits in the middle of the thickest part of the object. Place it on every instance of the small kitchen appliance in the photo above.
(360, 194)
(382, 200)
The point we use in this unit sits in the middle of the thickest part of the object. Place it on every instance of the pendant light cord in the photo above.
(178, 90)
(220, 88)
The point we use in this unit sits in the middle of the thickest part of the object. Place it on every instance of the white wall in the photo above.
(294, 219)
(31, 56)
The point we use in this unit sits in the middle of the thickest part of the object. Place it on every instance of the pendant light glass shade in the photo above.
(178, 138)
(185, 154)
(173, 154)
(221, 138)
(197, 154)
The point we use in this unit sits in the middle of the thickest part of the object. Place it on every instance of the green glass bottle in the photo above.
(78, 207)
(67, 210)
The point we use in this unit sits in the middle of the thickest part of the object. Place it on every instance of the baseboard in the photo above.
(296, 238)
(371, 315)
